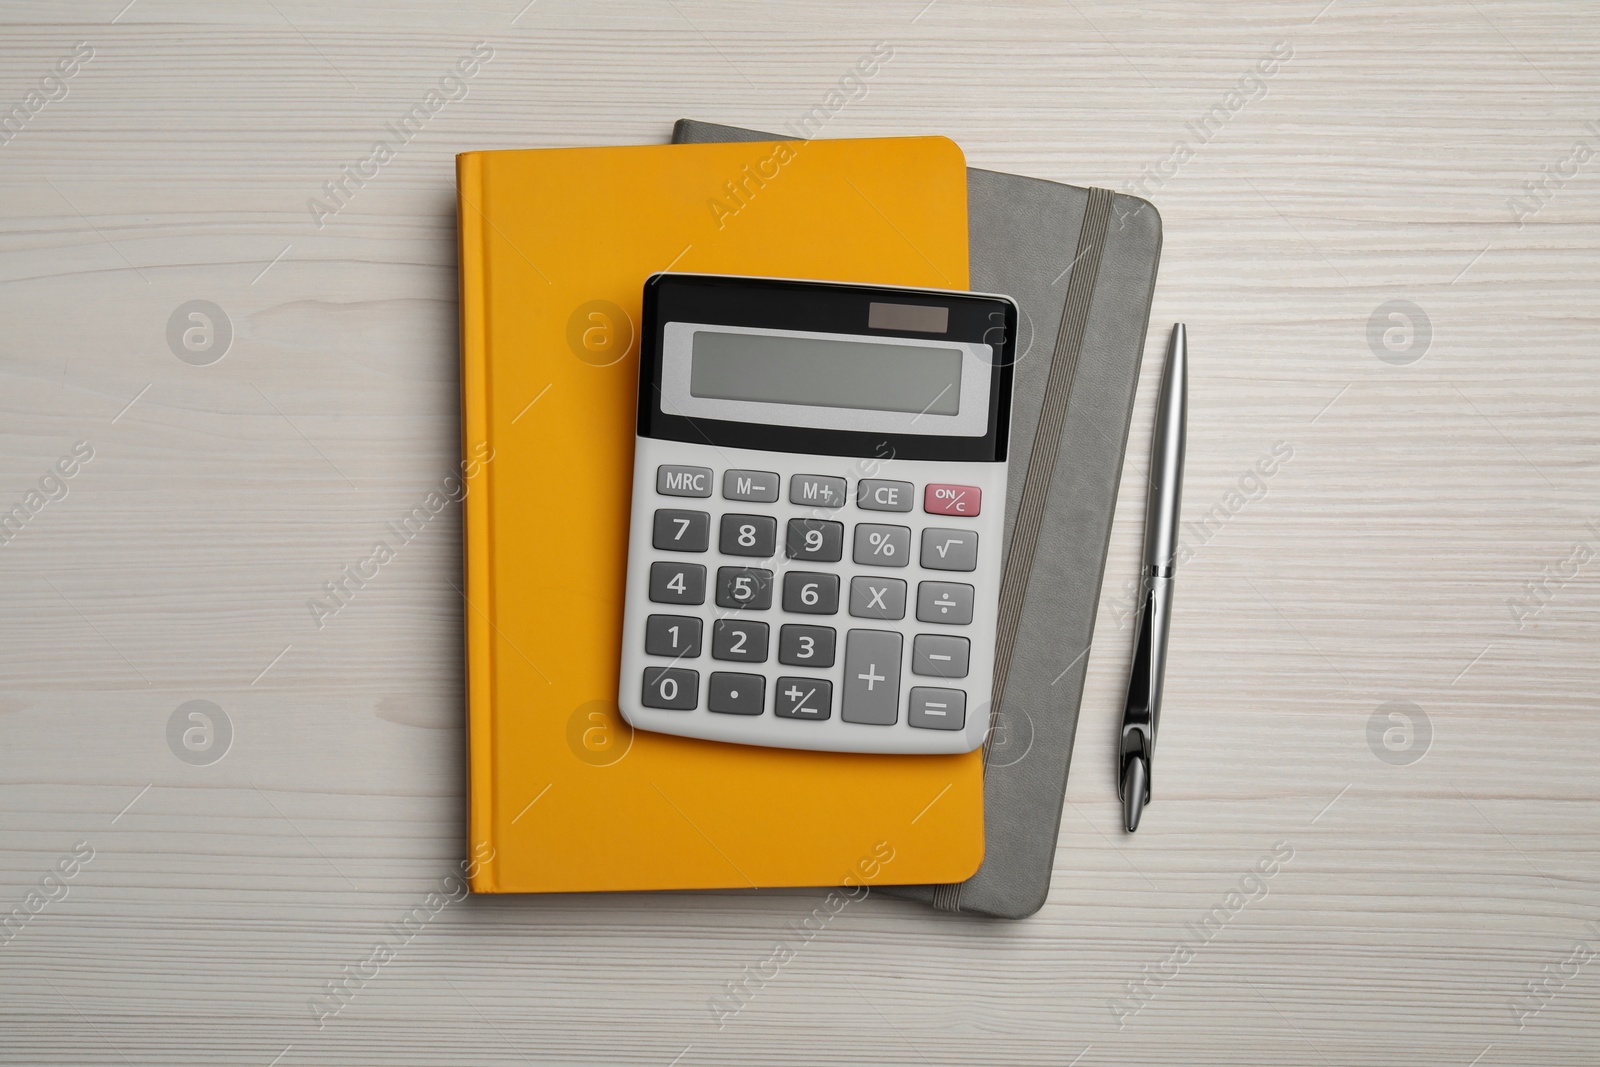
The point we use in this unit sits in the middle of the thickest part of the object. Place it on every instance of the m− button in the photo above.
(760, 487)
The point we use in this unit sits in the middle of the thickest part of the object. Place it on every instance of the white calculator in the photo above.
(819, 494)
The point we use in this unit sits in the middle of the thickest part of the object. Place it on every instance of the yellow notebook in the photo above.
(555, 248)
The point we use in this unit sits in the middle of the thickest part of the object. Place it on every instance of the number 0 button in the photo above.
(672, 688)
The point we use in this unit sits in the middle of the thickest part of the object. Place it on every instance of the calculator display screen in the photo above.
(826, 372)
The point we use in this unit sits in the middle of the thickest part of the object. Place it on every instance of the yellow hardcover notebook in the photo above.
(555, 247)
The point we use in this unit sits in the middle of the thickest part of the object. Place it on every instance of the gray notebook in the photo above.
(1081, 265)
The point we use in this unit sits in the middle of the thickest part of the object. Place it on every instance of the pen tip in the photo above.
(1135, 784)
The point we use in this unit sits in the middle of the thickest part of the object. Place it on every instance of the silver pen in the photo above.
(1141, 714)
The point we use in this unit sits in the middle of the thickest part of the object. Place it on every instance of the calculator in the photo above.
(819, 495)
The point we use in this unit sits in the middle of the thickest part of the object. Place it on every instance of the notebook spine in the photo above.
(477, 607)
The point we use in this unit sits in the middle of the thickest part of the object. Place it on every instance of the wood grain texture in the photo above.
(1381, 562)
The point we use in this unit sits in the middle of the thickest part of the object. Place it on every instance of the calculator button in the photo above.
(806, 646)
(952, 499)
(672, 688)
(736, 640)
(946, 602)
(672, 635)
(937, 656)
(882, 546)
(811, 593)
(736, 694)
(682, 531)
(814, 490)
(877, 598)
(748, 535)
(674, 480)
(802, 698)
(876, 494)
(950, 550)
(871, 677)
(744, 587)
(758, 486)
(677, 583)
(815, 539)
(934, 709)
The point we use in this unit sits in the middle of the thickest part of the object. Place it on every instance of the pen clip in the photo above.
(1138, 718)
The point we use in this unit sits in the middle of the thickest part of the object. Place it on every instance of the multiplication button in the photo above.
(872, 597)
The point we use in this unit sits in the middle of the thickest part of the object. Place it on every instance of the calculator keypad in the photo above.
(865, 588)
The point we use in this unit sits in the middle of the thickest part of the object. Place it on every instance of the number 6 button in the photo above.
(811, 593)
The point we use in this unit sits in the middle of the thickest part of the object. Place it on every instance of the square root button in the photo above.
(952, 499)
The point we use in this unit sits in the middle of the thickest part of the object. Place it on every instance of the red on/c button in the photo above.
(952, 499)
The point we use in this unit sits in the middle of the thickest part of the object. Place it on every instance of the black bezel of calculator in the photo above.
(783, 304)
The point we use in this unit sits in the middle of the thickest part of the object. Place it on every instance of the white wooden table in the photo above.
(1361, 672)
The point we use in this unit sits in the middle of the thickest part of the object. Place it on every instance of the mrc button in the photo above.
(952, 499)
(673, 480)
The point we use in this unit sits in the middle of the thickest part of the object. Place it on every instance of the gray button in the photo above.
(871, 677)
(877, 598)
(681, 531)
(744, 587)
(950, 550)
(814, 490)
(733, 639)
(673, 480)
(935, 709)
(749, 535)
(802, 698)
(882, 546)
(811, 593)
(947, 602)
(672, 688)
(677, 583)
(876, 494)
(815, 539)
(806, 646)
(672, 635)
(736, 694)
(936, 656)
(760, 486)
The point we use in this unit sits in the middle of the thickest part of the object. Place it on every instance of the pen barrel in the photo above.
(1165, 486)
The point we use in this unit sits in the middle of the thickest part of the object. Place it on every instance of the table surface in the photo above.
(1383, 670)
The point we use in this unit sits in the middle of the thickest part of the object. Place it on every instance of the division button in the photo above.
(802, 698)
(871, 677)
(673, 480)
(736, 694)
(817, 491)
(946, 602)
(935, 709)
(758, 486)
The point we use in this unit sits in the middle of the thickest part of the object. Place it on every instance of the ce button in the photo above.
(878, 494)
